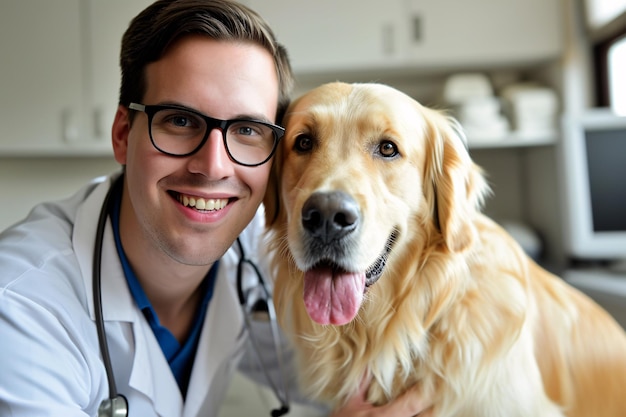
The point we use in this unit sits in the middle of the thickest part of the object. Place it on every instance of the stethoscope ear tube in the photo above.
(116, 405)
(271, 312)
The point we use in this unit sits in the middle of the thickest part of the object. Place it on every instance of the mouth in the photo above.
(373, 273)
(333, 295)
(199, 203)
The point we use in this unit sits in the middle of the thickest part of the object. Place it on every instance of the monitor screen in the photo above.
(593, 185)
(606, 163)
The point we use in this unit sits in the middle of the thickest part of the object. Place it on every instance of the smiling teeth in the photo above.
(203, 204)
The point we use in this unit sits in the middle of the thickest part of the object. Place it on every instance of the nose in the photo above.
(330, 216)
(212, 159)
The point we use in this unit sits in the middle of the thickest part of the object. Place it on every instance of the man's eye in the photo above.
(180, 121)
(251, 130)
(246, 130)
(169, 119)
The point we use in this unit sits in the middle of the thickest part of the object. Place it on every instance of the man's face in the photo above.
(224, 80)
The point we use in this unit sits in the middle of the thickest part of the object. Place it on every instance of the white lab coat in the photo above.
(50, 362)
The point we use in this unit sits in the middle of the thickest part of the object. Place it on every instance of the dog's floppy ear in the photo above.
(454, 186)
(271, 200)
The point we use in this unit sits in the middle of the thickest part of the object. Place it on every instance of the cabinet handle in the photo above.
(69, 126)
(388, 39)
(417, 28)
(98, 116)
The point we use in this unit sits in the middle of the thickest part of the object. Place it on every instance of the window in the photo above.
(599, 13)
(606, 25)
(616, 68)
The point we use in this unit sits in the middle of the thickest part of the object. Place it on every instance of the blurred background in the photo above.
(510, 70)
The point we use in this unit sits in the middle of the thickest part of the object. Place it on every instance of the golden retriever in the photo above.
(385, 269)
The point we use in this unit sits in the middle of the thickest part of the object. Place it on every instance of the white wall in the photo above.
(27, 181)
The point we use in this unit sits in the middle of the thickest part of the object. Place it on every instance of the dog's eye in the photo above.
(303, 143)
(388, 149)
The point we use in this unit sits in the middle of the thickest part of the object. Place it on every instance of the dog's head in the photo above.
(364, 177)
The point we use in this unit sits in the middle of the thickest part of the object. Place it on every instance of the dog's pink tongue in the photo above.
(332, 297)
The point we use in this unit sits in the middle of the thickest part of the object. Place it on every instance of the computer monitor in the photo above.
(593, 181)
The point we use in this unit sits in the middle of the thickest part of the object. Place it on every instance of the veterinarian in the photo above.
(126, 299)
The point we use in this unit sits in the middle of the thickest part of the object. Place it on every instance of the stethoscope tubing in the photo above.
(97, 294)
(117, 405)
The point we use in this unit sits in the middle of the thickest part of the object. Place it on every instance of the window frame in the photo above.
(602, 38)
(601, 67)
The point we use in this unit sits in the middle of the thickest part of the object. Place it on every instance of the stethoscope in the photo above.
(116, 405)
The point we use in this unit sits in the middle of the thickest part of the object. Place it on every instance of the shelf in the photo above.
(513, 140)
(77, 151)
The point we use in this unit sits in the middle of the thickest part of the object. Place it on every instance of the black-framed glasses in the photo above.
(181, 131)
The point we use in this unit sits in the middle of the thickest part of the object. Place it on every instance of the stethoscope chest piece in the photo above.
(113, 407)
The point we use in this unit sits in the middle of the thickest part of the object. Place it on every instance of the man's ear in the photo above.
(458, 185)
(119, 134)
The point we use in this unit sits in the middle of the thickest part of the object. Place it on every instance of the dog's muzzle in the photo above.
(329, 218)
(333, 290)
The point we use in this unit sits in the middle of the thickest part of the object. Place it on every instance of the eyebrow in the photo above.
(243, 116)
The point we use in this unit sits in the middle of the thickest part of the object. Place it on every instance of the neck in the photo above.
(175, 305)
(173, 288)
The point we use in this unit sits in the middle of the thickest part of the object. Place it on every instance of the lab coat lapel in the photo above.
(116, 298)
(151, 373)
(221, 343)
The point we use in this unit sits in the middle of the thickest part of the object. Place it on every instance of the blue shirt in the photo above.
(179, 356)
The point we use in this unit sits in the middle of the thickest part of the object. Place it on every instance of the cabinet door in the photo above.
(484, 32)
(327, 35)
(40, 75)
(108, 20)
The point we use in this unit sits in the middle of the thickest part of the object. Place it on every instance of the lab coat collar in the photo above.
(220, 337)
(114, 287)
(151, 374)
(221, 333)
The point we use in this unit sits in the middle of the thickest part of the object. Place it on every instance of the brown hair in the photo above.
(152, 31)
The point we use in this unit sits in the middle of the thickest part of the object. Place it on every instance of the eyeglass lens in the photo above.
(181, 132)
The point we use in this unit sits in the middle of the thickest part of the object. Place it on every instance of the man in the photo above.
(203, 83)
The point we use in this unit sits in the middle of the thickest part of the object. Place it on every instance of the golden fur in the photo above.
(460, 313)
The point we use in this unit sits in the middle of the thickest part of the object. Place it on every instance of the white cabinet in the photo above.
(356, 35)
(337, 34)
(59, 74)
(41, 80)
(484, 32)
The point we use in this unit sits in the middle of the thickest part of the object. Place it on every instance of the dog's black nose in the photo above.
(330, 216)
